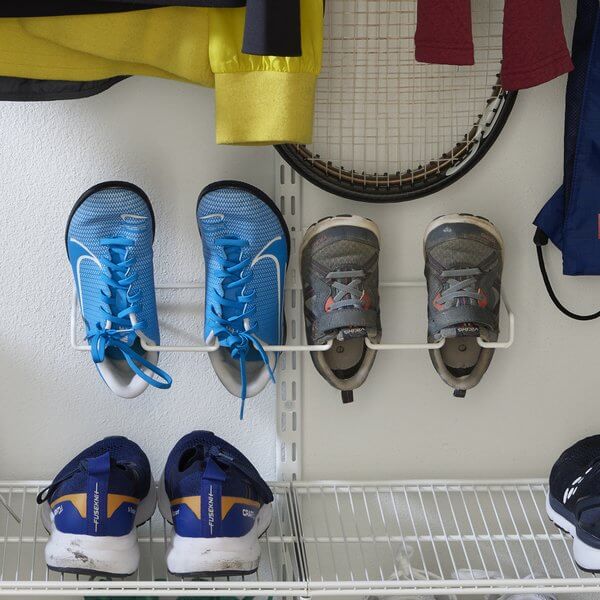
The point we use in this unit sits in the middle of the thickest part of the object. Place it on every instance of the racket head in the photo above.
(389, 129)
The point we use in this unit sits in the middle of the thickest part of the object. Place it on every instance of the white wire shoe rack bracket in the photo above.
(288, 195)
(345, 539)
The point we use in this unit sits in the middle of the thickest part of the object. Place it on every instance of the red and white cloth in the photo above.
(534, 46)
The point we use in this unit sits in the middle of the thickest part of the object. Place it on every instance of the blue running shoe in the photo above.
(218, 505)
(109, 243)
(246, 246)
(92, 507)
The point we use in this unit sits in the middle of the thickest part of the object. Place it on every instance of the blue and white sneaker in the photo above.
(218, 505)
(109, 243)
(92, 507)
(246, 246)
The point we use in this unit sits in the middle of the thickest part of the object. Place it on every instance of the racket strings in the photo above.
(381, 117)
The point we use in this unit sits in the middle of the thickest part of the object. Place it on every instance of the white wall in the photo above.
(537, 397)
(159, 135)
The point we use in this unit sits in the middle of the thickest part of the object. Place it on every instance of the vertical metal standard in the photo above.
(289, 376)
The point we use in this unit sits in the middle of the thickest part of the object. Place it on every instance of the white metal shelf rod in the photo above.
(302, 347)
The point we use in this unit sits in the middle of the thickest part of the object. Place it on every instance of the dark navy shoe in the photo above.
(573, 502)
(218, 505)
(92, 507)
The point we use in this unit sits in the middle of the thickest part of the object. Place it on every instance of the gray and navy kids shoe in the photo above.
(339, 261)
(463, 268)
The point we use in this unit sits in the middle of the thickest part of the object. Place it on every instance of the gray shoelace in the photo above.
(347, 294)
(460, 288)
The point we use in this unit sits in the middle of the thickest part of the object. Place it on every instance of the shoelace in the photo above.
(220, 456)
(48, 492)
(347, 294)
(118, 329)
(237, 332)
(462, 285)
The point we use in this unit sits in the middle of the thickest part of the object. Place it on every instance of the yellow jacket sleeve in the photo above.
(264, 99)
(260, 99)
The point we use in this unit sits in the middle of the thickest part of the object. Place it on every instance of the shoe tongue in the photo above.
(461, 330)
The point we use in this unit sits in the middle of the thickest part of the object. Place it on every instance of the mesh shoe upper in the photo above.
(246, 249)
(109, 243)
(340, 278)
(576, 475)
(463, 267)
(109, 212)
(213, 489)
(98, 492)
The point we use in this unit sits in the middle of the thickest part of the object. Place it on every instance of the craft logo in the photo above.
(96, 507)
(248, 512)
(211, 509)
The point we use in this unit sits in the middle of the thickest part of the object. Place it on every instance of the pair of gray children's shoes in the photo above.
(339, 261)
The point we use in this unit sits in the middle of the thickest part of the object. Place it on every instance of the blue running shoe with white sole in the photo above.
(109, 244)
(92, 507)
(246, 246)
(219, 507)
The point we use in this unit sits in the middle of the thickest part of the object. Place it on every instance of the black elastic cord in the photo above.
(540, 240)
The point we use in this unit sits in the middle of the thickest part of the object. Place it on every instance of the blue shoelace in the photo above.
(118, 330)
(237, 331)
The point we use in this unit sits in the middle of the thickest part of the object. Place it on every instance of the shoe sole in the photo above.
(587, 557)
(111, 556)
(213, 557)
(457, 218)
(339, 221)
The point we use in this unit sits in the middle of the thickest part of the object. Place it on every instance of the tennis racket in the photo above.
(388, 129)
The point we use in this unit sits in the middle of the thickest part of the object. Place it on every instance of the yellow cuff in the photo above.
(264, 107)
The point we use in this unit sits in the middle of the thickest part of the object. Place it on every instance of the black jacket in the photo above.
(272, 26)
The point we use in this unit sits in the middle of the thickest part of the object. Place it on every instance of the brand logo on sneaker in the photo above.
(211, 509)
(96, 508)
(467, 330)
(80, 253)
(570, 491)
(279, 273)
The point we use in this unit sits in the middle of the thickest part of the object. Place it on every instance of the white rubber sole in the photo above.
(586, 557)
(471, 220)
(187, 556)
(96, 555)
(329, 222)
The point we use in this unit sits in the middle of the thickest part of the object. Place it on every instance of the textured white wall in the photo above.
(159, 135)
(537, 397)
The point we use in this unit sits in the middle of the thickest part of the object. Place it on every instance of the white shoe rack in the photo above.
(288, 196)
(331, 539)
(345, 539)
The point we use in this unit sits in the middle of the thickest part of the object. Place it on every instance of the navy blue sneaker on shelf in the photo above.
(109, 243)
(92, 507)
(573, 502)
(219, 507)
(246, 246)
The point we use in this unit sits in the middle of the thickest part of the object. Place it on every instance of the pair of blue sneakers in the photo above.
(213, 496)
(246, 247)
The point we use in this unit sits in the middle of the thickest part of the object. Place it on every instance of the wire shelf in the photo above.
(428, 538)
(23, 571)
